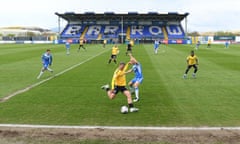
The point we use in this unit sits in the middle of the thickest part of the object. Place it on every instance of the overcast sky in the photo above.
(205, 15)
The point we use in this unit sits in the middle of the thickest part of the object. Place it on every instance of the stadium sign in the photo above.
(224, 38)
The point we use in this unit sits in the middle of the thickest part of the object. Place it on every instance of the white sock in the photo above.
(137, 92)
(40, 74)
(49, 69)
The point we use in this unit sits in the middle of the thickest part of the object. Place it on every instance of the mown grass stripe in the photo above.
(4, 99)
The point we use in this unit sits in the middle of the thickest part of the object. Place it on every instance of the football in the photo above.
(124, 109)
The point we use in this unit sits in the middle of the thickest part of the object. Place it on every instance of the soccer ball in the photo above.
(124, 109)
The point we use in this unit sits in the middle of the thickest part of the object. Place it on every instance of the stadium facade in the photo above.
(94, 27)
(22, 34)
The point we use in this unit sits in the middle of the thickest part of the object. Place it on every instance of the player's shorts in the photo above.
(119, 88)
(113, 56)
(156, 46)
(67, 47)
(45, 65)
(129, 49)
(195, 66)
(139, 80)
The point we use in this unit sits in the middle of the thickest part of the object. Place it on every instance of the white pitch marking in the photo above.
(116, 127)
(4, 99)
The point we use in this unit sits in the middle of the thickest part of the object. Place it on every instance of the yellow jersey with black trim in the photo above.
(119, 77)
(81, 42)
(115, 50)
(192, 60)
(132, 43)
(209, 41)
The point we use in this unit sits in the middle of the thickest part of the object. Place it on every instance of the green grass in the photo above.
(75, 97)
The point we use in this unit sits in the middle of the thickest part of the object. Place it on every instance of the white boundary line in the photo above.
(4, 99)
(117, 127)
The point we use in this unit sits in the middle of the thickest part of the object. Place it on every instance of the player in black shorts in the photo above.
(119, 88)
(81, 41)
(129, 49)
(119, 84)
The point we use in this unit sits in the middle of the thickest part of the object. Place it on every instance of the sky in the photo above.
(204, 15)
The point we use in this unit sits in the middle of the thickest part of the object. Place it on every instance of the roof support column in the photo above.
(59, 24)
(122, 31)
(186, 28)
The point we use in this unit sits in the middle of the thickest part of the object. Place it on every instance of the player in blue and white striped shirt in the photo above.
(46, 61)
(156, 46)
(138, 78)
(67, 45)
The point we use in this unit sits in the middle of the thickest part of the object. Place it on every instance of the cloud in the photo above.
(212, 15)
(205, 15)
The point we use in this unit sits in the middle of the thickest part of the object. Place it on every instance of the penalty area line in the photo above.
(117, 127)
(4, 99)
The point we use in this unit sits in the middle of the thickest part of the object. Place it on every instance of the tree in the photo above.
(11, 35)
(31, 34)
(222, 33)
(194, 33)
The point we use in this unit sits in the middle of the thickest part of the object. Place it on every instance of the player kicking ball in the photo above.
(119, 84)
(46, 61)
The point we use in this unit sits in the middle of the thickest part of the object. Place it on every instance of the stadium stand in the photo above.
(175, 32)
(91, 26)
(72, 31)
(111, 31)
(139, 32)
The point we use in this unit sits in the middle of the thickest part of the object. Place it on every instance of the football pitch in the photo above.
(72, 94)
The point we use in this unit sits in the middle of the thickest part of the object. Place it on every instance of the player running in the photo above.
(46, 61)
(67, 45)
(119, 84)
(113, 57)
(129, 49)
(137, 80)
(197, 45)
(81, 41)
(104, 43)
(156, 46)
(227, 44)
(209, 43)
(192, 61)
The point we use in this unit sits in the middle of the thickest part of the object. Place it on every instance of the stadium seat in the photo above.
(175, 32)
(72, 31)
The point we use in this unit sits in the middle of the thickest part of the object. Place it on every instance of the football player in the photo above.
(46, 62)
(192, 61)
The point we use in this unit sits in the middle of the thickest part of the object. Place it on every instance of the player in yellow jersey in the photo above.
(192, 61)
(119, 84)
(129, 49)
(104, 43)
(132, 42)
(81, 42)
(114, 54)
(209, 43)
